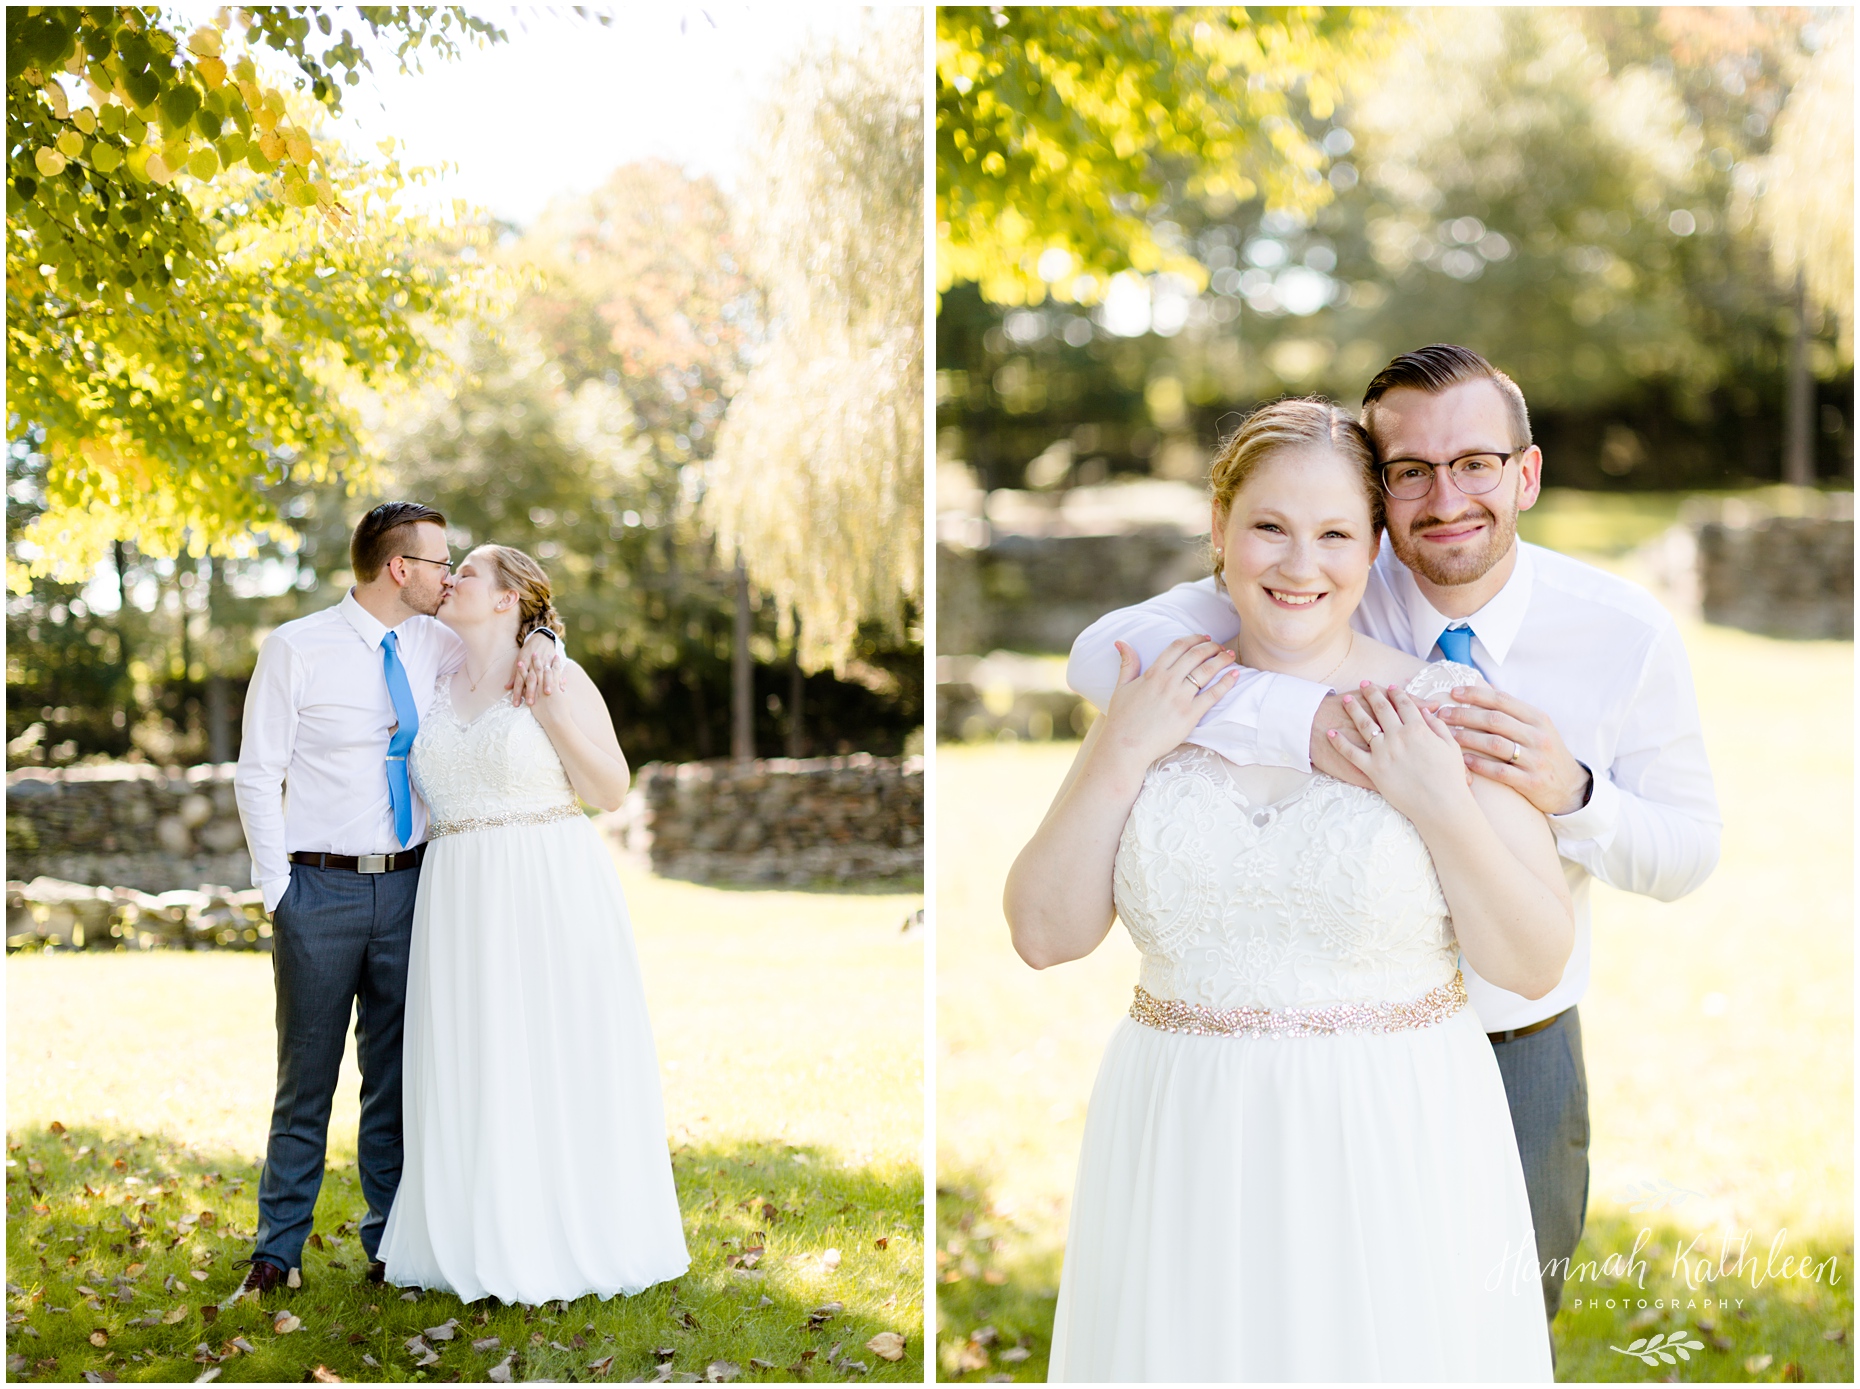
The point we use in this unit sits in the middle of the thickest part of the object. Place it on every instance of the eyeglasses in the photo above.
(444, 564)
(1410, 479)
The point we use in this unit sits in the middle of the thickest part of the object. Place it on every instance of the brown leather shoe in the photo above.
(260, 1279)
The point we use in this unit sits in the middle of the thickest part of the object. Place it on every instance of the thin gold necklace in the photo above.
(1346, 656)
(487, 671)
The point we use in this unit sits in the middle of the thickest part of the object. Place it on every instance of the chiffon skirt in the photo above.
(1347, 1207)
(536, 1162)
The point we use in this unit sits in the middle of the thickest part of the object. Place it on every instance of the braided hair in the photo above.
(517, 572)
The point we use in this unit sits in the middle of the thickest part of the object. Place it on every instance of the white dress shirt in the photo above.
(1596, 654)
(312, 775)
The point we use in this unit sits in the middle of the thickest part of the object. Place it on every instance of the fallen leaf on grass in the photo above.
(286, 1324)
(34, 1166)
(240, 1344)
(487, 1345)
(1757, 1364)
(721, 1372)
(536, 1338)
(87, 1291)
(322, 1374)
(601, 1366)
(887, 1345)
(1791, 1372)
(209, 1313)
(371, 1362)
(444, 1332)
(1834, 1333)
(208, 1375)
(199, 1275)
(409, 1297)
(882, 1242)
(1013, 1355)
(825, 1313)
(174, 1315)
(500, 1372)
(101, 1339)
(134, 1270)
(315, 1241)
(761, 1364)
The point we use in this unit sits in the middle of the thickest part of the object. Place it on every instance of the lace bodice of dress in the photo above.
(1325, 896)
(501, 763)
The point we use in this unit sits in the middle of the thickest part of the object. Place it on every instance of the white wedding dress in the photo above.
(536, 1163)
(1328, 1202)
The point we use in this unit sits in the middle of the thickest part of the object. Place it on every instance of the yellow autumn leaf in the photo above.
(50, 162)
(212, 71)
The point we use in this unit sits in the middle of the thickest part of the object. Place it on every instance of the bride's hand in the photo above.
(1412, 759)
(1152, 712)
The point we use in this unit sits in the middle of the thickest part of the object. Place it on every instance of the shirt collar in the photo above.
(367, 626)
(1495, 625)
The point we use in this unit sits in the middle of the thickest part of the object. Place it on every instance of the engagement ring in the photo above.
(1515, 750)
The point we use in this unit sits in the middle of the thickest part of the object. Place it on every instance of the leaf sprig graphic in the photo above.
(1647, 1348)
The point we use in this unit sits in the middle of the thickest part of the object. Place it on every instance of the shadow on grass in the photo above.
(997, 1286)
(119, 1250)
(1754, 1323)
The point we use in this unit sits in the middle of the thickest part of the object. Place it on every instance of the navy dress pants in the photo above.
(339, 940)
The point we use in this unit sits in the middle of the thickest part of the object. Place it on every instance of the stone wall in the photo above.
(1784, 576)
(129, 826)
(781, 821)
(49, 914)
(133, 855)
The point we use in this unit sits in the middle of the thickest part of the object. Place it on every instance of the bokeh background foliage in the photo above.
(229, 334)
(1612, 204)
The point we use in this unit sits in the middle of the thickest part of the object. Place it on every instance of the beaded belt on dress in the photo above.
(1179, 1015)
(492, 822)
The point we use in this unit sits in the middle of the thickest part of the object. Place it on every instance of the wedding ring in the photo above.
(1375, 732)
(1515, 750)
(1190, 677)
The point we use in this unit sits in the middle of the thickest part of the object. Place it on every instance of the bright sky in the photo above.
(566, 100)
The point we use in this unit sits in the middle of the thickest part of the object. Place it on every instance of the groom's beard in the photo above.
(1465, 562)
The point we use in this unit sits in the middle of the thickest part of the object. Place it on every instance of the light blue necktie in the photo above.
(1456, 645)
(399, 789)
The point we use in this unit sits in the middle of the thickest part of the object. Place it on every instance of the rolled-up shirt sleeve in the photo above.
(1651, 825)
(1265, 719)
(268, 735)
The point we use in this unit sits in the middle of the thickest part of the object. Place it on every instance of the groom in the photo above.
(1590, 714)
(330, 715)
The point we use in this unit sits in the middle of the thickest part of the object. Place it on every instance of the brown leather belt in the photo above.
(367, 863)
(1514, 1033)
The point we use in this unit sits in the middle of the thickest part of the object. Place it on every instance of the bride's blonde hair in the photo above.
(515, 571)
(1298, 422)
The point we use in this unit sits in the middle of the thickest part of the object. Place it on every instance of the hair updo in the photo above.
(1301, 422)
(515, 571)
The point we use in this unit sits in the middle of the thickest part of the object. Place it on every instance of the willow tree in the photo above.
(1808, 213)
(193, 278)
(817, 480)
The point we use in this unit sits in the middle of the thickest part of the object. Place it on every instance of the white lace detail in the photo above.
(1325, 896)
(499, 767)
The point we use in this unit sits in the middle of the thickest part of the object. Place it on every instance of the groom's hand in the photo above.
(538, 670)
(1488, 724)
(1325, 756)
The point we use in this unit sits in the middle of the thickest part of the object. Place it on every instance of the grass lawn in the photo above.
(1718, 1033)
(790, 1035)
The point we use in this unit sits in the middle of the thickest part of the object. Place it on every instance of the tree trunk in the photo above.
(219, 723)
(742, 683)
(797, 691)
(120, 553)
(1799, 435)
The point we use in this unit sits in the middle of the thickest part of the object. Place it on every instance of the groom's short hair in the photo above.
(1433, 369)
(380, 535)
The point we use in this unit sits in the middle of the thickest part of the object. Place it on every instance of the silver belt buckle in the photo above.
(371, 863)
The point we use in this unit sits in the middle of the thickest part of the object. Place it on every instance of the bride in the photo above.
(536, 1162)
(1298, 1163)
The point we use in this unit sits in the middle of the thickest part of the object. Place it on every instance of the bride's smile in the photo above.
(1295, 548)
